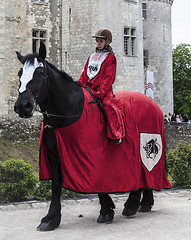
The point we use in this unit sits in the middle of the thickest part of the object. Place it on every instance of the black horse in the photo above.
(61, 101)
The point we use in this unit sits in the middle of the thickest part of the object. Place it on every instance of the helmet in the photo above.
(104, 33)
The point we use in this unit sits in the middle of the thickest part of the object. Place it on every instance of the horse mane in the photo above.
(30, 58)
(62, 73)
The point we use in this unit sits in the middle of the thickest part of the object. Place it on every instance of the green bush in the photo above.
(179, 165)
(43, 191)
(17, 180)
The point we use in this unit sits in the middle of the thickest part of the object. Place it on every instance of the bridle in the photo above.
(43, 83)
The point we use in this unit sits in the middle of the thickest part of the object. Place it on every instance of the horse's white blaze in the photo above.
(27, 75)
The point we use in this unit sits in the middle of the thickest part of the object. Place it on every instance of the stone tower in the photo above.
(141, 41)
(157, 42)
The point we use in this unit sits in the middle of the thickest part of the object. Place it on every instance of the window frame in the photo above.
(144, 11)
(129, 40)
(145, 58)
(38, 38)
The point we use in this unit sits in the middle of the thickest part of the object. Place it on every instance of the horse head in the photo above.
(33, 82)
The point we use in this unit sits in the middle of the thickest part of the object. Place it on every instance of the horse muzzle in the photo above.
(24, 108)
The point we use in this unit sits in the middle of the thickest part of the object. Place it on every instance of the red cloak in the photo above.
(91, 163)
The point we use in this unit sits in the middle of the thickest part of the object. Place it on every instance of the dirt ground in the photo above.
(170, 219)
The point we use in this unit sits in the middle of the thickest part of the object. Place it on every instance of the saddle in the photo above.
(98, 101)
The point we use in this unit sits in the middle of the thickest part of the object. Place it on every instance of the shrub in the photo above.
(43, 191)
(179, 165)
(17, 180)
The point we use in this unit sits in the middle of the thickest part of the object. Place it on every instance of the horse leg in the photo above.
(132, 204)
(147, 201)
(107, 206)
(53, 218)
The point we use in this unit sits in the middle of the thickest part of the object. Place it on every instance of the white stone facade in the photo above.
(68, 26)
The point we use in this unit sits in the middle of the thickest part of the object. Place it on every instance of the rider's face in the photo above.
(101, 42)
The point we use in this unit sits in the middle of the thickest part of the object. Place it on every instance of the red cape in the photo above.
(91, 163)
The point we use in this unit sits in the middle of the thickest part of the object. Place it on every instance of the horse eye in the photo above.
(40, 72)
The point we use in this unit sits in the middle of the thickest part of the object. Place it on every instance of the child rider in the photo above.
(99, 75)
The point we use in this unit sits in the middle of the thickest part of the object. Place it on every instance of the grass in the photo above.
(27, 151)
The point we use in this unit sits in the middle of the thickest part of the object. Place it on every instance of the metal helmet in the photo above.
(104, 33)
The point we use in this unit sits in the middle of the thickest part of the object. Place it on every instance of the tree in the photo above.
(182, 79)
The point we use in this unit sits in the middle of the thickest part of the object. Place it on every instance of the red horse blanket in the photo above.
(91, 163)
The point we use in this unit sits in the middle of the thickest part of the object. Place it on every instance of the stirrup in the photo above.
(117, 141)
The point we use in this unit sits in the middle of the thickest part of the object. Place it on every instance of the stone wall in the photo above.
(18, 130)
(176, 133)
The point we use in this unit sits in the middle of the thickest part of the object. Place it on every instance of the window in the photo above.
(37, 37)
(144, 11)
(129, 41)
(145, 58)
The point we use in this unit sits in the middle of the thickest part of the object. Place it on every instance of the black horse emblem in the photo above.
(152, 148)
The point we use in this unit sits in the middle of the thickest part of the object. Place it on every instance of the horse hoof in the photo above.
(101, 219)
(129, 212)
(145, 208)
(49, 223)
(45, 227)
(108, 218)
(48, 226)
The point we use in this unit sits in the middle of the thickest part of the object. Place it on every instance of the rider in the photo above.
(99, 75)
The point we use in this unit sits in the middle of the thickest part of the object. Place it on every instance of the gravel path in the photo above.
(170, 219)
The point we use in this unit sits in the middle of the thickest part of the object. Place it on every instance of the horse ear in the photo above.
(20, 57)
(42, 51)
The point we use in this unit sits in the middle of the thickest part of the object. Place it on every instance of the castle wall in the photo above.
(12, 38)
(158, 42)
(130, 74)
(3, 85)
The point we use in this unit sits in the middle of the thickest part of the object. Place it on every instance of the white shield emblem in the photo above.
(150, 149)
